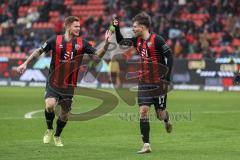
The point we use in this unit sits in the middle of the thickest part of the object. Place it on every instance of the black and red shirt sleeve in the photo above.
(49, 44)
(166, 53)
(125, 41)
(87, 48)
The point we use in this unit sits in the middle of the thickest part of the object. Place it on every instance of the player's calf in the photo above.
(49, 112)
(62, 120)
(144, 128)
(164, 115)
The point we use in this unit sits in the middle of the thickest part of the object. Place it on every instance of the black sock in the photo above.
(145, 129)
(49, 116)
(167, 117)
(60, 125)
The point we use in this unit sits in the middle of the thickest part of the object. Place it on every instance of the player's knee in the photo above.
(65, 109)
(66, 105)
(63, 116)
(161, 115)
(50, 104)
(144, 112)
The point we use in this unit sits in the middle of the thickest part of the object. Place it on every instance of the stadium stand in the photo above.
(194, 30)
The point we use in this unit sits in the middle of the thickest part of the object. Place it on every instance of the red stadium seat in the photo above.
(37, 3)
(13, 55)
(54, 14)
(215, 38)
(217, 49)
(194, 56)
(87, 7)
(236, 42)
(42, 25)
(94, 2)
(68, 2)
(198, 23)
(23, 10)
(5, 49)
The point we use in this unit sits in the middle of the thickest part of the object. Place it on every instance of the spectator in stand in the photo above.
(178, 21)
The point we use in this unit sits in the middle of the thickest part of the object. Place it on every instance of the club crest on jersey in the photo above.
(149, 44)
(77, 46)
(60, 46)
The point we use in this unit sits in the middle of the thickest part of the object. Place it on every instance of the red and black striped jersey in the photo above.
(154, 53)
(66, 60)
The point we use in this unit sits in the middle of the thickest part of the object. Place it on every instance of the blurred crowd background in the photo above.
(192, 28)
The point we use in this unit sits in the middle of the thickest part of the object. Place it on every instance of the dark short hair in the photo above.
(69, 20)
(143, 18)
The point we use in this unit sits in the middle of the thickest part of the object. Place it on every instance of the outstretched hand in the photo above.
(21, 68)
(108, 36)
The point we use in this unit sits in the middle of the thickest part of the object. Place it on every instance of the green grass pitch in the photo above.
(206, 127)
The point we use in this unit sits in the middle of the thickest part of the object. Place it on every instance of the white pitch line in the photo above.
(30, 114)
(18, 118)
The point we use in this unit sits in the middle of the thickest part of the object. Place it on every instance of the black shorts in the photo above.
(114, 77)
(148, 95)
(63, 99)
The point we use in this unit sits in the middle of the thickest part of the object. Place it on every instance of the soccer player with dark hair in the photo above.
(154, 53)
(67, 53)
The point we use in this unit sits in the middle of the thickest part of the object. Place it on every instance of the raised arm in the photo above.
(47, 46)
(100, 52)
(92, 52)
(119, 37)
(36, 53)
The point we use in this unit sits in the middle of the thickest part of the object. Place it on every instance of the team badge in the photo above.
(77, 46)
(60, 46)
(149, 44)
